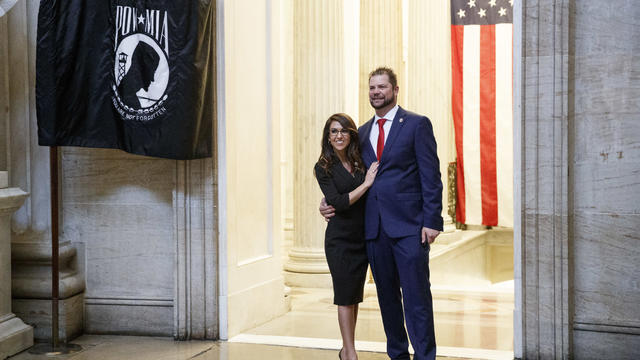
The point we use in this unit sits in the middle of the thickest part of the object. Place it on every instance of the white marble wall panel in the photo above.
(120, 208)
(607, 82)
(128, 319)
(607, 160)
(606, 254)
(606, 189)
(592, 345)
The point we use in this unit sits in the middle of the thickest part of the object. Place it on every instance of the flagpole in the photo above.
(55, 248)
(54, 348)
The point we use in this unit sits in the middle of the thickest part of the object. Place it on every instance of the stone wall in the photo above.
(604, 176)
(576, 101)
(131, 219)
(117, 209)
(15, 335)
(139, 234)
(28, 169)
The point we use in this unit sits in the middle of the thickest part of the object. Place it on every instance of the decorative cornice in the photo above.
(38, 252)
(11, 199)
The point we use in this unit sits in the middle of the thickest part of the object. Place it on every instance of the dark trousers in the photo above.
(403, 263)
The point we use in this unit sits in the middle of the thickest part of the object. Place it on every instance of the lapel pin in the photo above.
(401, 119)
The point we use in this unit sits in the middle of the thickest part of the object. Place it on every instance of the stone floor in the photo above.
(149, 348)
(469, 324)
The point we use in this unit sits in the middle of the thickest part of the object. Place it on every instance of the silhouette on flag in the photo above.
(482, 68)
(133, 75)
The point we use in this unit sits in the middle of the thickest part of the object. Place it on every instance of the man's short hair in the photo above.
(385, 71)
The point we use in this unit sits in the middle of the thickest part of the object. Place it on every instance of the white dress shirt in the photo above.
(373, 137)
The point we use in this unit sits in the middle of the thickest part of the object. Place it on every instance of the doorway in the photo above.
(484, 294)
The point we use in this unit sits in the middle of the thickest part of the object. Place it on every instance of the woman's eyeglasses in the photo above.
(343, 132)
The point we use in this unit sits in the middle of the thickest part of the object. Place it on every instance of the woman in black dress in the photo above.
(341, 175)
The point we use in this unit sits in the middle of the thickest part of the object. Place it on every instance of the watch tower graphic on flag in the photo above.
(122, 62)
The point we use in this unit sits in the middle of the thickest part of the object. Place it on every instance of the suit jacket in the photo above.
(407, 192)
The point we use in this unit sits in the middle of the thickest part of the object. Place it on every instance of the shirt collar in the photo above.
(388, 116)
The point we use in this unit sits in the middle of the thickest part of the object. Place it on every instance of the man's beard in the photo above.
(386, 102)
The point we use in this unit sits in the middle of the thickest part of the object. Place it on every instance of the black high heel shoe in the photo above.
(340, 354)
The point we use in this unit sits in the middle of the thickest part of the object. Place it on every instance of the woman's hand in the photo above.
(371, 174)
(357, 193)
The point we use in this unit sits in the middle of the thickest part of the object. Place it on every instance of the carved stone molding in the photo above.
(32, 268)
(196, 274)
(15, 335)
(541, 86)
(12, 199)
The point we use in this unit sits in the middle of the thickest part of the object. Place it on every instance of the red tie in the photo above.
(380, 137)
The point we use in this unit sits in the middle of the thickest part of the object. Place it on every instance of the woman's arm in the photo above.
(342, 201)
(339, 201)
(357, 193)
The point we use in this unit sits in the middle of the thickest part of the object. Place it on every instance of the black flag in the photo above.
(136, 75)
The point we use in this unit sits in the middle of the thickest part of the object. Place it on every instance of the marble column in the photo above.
(543, 294)
(28, 166)
(286, 79)
(15, 336)
(318, 93)
(428, 80)
(380, 45)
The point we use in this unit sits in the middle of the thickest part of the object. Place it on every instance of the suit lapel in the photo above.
(396, 126)
(368, 154)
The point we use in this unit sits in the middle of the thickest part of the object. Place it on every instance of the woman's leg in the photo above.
(355, 317)
(347, 321)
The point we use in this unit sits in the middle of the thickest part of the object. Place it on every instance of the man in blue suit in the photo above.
(402, 216)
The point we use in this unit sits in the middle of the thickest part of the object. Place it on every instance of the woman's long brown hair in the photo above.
(326, 159)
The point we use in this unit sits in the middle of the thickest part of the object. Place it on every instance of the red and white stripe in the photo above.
(483, 119)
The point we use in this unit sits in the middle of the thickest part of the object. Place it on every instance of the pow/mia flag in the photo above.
(136, 75)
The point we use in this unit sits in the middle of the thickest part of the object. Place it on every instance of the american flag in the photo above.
(482, 64)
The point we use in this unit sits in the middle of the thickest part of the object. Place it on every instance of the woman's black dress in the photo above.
(344, 242)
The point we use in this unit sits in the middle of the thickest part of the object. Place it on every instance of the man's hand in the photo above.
(327, 211)
(429, 235)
